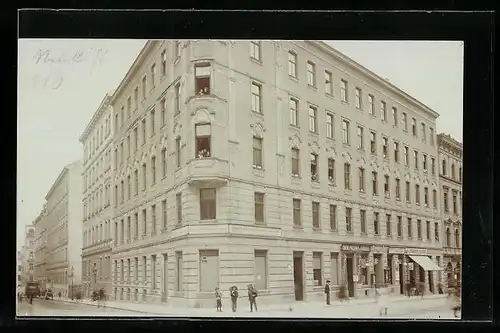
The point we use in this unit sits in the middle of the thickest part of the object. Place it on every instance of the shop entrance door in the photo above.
(350, 279)
(401, 279)
(430, 279)
(298, 276)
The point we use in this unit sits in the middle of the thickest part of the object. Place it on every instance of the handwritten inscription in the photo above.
(55, 65)
(49, 57)
(52, 81)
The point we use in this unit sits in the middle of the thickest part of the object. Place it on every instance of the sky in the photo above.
(62, 82)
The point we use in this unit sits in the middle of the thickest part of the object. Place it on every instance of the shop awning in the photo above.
(426, 263)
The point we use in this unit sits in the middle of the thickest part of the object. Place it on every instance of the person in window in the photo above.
(327, 292)
(252, 295)
(218, 298)
(234, 297)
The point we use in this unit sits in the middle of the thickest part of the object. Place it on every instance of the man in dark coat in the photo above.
(327, 292)
(233, 291)
(252, 295)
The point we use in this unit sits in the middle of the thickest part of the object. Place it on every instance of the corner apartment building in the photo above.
(281, 164)
(28, 256)
(450, 178)
(40, 247)
(63, 223)
(96, 200)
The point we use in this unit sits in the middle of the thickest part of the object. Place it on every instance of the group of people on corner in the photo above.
(100, 297)
(234, 294)
(381, 300)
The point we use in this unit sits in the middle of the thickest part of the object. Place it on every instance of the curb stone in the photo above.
(338, 304)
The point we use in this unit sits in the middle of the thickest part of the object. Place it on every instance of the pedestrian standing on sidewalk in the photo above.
(327, 292)
(218, 299)
(252, 295)
(234, 297)
(102, 297)
(59, 294)
(381, 300)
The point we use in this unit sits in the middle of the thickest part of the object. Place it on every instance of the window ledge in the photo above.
(258, 114)
(293, 78)
(208, 220)
(345, 102)
(256, 61)
(294, 127)
(329, 95)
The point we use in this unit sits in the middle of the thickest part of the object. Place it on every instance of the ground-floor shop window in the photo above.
(317, 268)
(334, 269)
(363, 274)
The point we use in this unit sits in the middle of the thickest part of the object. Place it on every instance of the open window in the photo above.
(314, 167)
(202, 78)
(203, 140)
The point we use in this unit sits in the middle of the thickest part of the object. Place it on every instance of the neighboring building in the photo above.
(97, 211)
(28, 254)
(40, 247)
(63, 223)
(450, 177)
(277, 163)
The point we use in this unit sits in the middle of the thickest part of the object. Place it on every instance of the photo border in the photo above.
(474, 28)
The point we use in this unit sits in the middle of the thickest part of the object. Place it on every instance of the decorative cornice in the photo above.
(105, 103)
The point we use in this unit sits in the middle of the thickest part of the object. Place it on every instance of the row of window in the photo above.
(446, 200)
(453, 173)
(97, 171)
(297, 220)
(131, 227)
(97, 234)
(134, 271)
(97, 201)
(101, 133)
(126, 110)
(345, 98)
(91, 270)
(448, 237)
(125, 231)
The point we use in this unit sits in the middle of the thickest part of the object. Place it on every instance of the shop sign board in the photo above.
(379, 249)
(355, 248)
(409, 251)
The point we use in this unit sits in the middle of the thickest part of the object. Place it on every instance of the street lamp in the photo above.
(71, 276)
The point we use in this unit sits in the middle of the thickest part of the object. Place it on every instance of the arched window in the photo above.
(448, 237)
(444, 168)
(457, 238)
(453, 171)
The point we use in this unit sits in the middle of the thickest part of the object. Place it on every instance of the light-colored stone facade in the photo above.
(97, 141)
(40, 247)
(160, 173)
(63, 225)
(450, 178)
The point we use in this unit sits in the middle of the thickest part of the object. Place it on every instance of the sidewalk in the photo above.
(302, 309)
